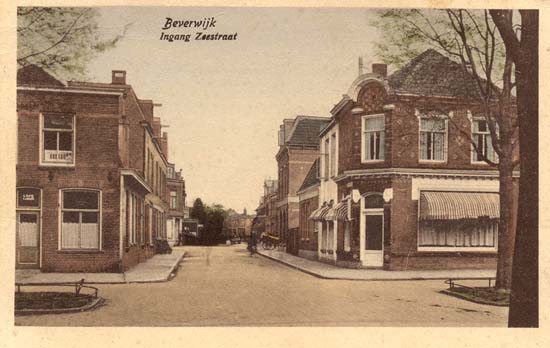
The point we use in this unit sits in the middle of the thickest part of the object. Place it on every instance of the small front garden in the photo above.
(50, 300)
(483, 295)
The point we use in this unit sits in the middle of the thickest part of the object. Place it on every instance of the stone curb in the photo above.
(320, 275)
(98, 301)
(158, 280)
(163, 279)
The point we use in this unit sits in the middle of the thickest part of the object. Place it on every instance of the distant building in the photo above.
(238, 225)
(176, 203)
(298, 149)
(270, 199)
(258, 223)
(308, 195)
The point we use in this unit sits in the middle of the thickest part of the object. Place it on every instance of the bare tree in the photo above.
(521, 40)
(471, 39)
(60, 39)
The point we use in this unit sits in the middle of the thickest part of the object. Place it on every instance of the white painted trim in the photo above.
(59, 216)
(454, 185)
(41, 162)
(31, 210)
(138, 178)
(472, 149)
(340, 105)
(359, 82)
(363, 131)
(472, 173)
(420, 116)
(67, 90)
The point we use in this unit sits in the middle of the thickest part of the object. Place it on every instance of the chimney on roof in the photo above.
(164, 144)
(118, 77)
(360, 66)
(380, 69)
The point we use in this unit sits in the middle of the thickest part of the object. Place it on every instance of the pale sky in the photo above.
(224, 100)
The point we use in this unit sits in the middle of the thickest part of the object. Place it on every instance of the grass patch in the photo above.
(50, 300)
(484, 295)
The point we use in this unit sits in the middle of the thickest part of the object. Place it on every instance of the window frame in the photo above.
(99, 211)
(473, 150)
(443, 117)
(364, 132)
(173, 199)
(41, 151)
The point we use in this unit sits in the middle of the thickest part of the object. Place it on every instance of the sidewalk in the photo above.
(327, 271)
(156, 269)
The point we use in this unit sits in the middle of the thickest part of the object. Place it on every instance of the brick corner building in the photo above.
(401, 185)
(91, 175)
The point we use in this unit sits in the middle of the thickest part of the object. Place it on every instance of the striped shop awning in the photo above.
(331, 213)
(319, 214)
(342, 210)
(436, 205)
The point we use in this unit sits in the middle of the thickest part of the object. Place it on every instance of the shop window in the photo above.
(80, 219)
(480, 233)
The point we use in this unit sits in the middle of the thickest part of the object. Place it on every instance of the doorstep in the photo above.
(158, 268)
(328, 271)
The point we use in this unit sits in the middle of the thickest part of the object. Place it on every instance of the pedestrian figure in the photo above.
(252, 243)
(180, 239)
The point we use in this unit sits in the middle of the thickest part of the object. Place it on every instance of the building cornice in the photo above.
(309, 192)
(420, 172)
(68, 90)
(133, 173)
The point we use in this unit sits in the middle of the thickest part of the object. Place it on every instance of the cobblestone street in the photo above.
(224, 286)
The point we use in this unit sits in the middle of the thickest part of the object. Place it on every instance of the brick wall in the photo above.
(137, 134)
(96, 167)
(402, 130)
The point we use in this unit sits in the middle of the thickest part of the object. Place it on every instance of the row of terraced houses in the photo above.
(95, 189)
(391, 179)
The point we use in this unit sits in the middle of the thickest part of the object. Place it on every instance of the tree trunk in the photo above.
(524, 310)
(506, 232)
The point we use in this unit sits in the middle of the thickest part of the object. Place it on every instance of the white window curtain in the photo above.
(80, 219)
(459, 233)
(28, 234)
(433, 134)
